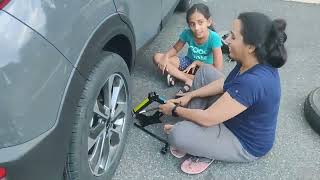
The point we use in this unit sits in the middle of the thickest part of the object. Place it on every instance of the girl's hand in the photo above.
(163, 67)
(192, 67)
(164, 63)
(166, 108)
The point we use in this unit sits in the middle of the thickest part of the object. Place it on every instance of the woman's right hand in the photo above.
(182, 101)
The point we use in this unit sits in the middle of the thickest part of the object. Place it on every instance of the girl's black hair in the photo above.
(266, 35)
(201, 8)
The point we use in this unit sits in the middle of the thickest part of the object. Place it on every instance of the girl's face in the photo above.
(237, 48)
(199, 25)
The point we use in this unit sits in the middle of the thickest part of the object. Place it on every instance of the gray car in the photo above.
(65, 103)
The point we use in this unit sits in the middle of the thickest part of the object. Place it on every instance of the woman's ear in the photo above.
(251, 48)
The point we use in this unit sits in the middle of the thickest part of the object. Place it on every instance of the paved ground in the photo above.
(296, 153)
(307, 1)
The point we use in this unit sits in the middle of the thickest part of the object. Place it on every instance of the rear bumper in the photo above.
(44, 157)
(39, 95)
(39, 158)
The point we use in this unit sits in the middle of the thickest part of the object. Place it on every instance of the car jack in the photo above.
(144, 120)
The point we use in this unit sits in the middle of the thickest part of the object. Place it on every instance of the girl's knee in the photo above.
(157, 57)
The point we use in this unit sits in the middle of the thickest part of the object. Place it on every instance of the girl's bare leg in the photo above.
(172, 67)
(173, 70)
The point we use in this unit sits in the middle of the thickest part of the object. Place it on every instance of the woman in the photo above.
(240, 125)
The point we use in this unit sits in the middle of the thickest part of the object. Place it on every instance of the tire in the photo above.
(312, 109)
(184, 5)
(103, 121)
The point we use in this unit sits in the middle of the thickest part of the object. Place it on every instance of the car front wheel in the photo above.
(100, 131)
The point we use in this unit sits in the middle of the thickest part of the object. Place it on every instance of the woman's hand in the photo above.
(167, 108)
(182, 101)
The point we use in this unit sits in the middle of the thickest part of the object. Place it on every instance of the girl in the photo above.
(240, 125)
(204, 48)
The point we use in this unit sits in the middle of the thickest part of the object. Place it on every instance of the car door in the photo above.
(145, 15)
(167, 6)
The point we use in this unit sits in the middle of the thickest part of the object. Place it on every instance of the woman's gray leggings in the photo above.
(215, 142)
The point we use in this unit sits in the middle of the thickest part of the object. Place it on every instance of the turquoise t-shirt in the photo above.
(201, 52)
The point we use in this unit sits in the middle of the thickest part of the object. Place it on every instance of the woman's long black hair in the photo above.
(266, 35)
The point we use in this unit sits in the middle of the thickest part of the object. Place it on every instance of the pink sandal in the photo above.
(177, 153)
(195, 165)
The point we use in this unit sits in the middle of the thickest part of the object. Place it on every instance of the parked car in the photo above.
(65, 83)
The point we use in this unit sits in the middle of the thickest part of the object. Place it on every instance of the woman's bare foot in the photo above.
(167, 128)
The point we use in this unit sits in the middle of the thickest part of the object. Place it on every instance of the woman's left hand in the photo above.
(166, 108)
(182, 101)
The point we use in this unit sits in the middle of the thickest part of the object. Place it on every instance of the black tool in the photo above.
(144, 120)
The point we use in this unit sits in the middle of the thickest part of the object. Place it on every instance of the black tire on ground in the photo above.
(184, 5)
(77, 166)
(312, 109)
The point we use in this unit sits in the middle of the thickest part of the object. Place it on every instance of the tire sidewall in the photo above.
(311, 111)
(110, 64)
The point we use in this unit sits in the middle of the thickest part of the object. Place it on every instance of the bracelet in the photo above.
(173, 111)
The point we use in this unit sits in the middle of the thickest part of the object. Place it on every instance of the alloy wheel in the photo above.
(107, 124)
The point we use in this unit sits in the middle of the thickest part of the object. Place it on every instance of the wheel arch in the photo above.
(114, 34)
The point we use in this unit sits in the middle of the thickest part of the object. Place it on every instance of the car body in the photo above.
(60, 62)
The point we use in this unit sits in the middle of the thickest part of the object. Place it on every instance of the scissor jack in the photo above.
(144, 120)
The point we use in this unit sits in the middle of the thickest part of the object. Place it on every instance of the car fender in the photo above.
(113, 26)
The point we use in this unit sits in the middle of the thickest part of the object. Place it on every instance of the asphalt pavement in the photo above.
(296, 152)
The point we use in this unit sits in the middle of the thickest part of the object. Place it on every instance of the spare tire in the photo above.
(312, 109)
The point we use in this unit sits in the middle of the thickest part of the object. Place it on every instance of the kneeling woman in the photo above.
(235, 119)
